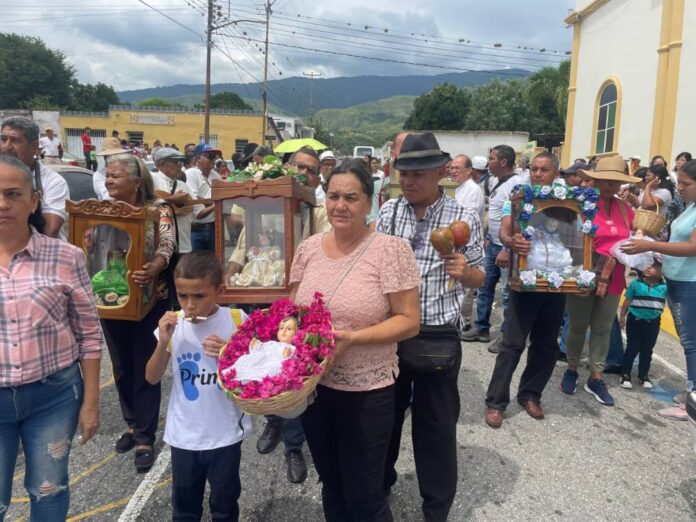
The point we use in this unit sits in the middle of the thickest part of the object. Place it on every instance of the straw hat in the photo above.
(111, 146)
(612, 169)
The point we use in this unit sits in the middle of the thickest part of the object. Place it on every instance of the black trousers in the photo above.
(191, 469)
(131, 344)
(434, 401)
(348, 436)
(641, 336)
(538, 316)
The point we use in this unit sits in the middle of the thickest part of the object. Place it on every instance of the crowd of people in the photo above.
(390, 292)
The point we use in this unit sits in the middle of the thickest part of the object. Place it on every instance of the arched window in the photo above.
(606, 119)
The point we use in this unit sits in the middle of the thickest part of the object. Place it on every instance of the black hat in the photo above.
(421, 152)
(573, 169)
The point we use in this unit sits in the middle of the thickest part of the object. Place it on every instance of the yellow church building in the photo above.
(632, 79)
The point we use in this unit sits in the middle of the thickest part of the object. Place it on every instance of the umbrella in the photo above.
(295, 145)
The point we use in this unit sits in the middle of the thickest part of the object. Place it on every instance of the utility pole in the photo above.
(209, 45)
(265, 73)
(311, 76)
(211, 28)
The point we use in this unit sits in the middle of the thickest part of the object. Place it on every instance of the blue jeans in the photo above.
(564, 331)
(616, 346)
(43, 416)
(293, 434)
(203, 237)
(486, 294)
(681, 297)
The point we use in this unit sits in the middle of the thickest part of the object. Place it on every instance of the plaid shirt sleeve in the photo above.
(82, 312)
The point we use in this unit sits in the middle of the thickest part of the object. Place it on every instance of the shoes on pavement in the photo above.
(625, 381)
(679, 398)
(125, 442)
(475, 335)
(269, 439)
(674, 412)
(494, 417)
(645, 382)
(297, 468)
(617, 370)
(562, 356)
(144, 459)
(598, 388)
(569, 382)
(533, 409)
(467, 327)
(494, 347)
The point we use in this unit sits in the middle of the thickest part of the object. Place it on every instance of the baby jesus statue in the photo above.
(265, 265)
(548, 253)
(266, 359)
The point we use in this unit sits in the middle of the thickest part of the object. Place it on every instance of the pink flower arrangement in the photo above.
(314, 342)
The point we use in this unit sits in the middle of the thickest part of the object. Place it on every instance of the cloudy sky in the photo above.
(129, 45)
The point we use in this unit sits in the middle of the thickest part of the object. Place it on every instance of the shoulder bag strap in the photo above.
(392, 227)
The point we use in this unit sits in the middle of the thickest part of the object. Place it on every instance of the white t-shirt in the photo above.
(663, 195)
(200, 416)
(99, 183)
(374, 212)
(183, 222)
(201, 188)
(49, 146)
(470, 195)
(495, 205)
(55, 192)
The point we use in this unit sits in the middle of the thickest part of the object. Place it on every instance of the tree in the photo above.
(444, 108)
(31, 71)
(498, 106)
(157, 102)
(547, 91)
(88, 97)
(229, 100)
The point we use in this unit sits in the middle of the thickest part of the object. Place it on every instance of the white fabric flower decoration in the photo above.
(529, 208)
(589, 205)
(555, 280)
(545, 190)
(585, 278)
(586, 227)
(559, 181)
(528, 278)
(560, 192)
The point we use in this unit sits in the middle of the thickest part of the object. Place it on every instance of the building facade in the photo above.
(230, 131)
(631, 79)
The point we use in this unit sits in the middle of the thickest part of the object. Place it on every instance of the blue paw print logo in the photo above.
(189, 371)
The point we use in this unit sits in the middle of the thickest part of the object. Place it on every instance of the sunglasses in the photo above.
(305, 167)
(419, 236)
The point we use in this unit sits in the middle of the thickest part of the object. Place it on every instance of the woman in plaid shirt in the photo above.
(50, 348)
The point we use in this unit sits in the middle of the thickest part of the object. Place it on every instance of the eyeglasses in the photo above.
(419, 236)
(305, 167)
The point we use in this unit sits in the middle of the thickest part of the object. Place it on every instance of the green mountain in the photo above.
(370, 123)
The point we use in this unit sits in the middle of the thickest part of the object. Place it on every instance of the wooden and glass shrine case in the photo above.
(117, 239)
(258, 226)
(560, 257)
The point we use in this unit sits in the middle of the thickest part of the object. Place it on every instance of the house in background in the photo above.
(632, 79)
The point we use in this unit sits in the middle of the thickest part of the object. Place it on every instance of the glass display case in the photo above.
(117, 239)
(258, 226)
(560, 256)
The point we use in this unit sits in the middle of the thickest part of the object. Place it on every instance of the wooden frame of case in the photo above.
(568, 287)
(293, 193)
(89, 213)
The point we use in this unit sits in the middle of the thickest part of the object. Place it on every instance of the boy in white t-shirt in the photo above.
(204, 429)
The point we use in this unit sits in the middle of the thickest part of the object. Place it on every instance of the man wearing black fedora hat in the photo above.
(432, 395)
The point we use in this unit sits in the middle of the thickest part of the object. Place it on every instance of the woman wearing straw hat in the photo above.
(614, 221)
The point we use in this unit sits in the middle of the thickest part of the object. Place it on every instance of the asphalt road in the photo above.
(583, 462)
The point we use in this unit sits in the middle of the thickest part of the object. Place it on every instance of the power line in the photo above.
(172, 19)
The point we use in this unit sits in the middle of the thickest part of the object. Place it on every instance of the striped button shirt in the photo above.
(48, 319)
(439, 304)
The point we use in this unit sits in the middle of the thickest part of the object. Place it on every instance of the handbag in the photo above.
(433, 351)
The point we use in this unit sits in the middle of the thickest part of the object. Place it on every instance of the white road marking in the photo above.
(146, 487)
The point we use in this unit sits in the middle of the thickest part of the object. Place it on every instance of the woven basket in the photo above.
(649, 222)
(283, 402)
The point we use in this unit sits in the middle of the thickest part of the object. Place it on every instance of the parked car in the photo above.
(79, 180)
(68, 159)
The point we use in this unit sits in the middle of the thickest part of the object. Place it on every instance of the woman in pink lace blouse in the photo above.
(370, 283)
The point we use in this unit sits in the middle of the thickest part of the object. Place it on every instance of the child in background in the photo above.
(640, 315)
(204, 429)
